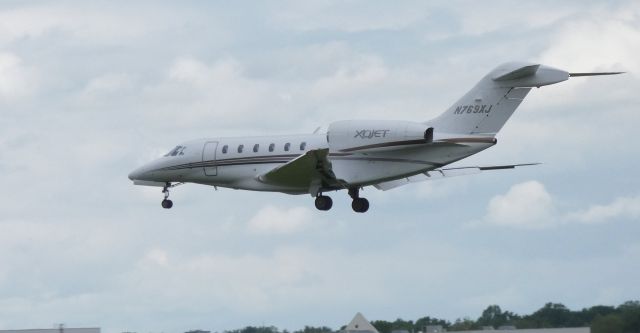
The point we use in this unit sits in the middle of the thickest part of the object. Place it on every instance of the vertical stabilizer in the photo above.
(489, 104)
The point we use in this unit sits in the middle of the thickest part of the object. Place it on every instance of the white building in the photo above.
(359, 324)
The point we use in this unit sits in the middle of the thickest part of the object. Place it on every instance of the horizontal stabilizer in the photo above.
(517, 73)
(445, 172)
(594, 74)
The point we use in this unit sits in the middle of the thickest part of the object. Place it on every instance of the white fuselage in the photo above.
(357, 153)
(238, 162)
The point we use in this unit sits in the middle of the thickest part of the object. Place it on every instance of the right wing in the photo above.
(311, 170)
(444, 172)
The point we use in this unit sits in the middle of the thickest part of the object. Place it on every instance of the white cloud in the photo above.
(353, 16)
(158, 257)
(275, 220)
(529, 205)
(87, 23)
(623, 207)
(348, 81)
(602, 41)
(526, 205)
(16, 79)
(109, 84)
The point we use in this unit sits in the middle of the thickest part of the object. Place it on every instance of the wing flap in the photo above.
(445, 173)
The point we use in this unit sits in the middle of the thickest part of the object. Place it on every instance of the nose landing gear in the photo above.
(166, 203)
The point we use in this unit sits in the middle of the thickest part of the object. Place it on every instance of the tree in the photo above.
(587, 315)
(427, 321)
(400, 324)
(382, 326)
(492, 316)
(630, 316)
(551, 315)
(464, 324)
(311, 329)
(607, 324)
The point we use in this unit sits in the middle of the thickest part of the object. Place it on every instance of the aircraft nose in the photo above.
(135, 174)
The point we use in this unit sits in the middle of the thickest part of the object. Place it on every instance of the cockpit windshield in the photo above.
(179, 150)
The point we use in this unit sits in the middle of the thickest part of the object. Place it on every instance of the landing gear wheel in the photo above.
(360, 205)
(167, 204)
(323, 202)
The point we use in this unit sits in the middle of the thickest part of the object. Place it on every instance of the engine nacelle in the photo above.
(376, 135)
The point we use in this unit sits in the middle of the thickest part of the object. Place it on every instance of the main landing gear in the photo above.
(166, 203)
(323, 202)
(359, 205)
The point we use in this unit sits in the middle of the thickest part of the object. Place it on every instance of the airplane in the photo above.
(353, 154)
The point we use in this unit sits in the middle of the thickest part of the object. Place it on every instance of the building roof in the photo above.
(360, 324)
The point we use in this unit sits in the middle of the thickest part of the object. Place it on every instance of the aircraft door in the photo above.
(209, 158)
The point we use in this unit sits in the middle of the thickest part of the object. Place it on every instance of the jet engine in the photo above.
(376, 135)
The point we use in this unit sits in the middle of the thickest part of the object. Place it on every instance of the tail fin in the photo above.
(488, 105)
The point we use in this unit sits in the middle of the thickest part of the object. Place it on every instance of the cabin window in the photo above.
(272, 147)
(240, 148)
(225, 148)
(303, 146)
(286, 146)
(256, 147)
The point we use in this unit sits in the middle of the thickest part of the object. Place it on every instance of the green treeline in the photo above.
(624, 318)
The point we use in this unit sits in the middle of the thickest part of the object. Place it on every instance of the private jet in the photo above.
(353, 154)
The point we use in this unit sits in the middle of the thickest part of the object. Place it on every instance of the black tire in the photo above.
(360, 205)
(167, 204)
(323, 202)
(328, 203)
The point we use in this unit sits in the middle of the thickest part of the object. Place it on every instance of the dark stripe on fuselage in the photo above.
(231, 161)
(386, 144)
(285, 159)
(420, 142)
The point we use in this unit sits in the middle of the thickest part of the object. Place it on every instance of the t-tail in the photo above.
(487, 106)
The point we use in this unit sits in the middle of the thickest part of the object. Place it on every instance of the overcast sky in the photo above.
(89, 91)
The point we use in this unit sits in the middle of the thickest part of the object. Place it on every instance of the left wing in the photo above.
(445, 172)
(311, 170)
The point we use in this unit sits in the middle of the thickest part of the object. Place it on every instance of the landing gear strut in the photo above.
(323, 202)
(359, 205)
(166, 203)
